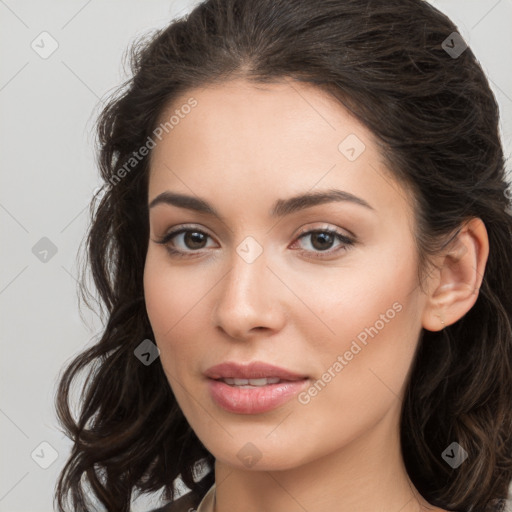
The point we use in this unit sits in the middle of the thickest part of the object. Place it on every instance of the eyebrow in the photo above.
(281, 207)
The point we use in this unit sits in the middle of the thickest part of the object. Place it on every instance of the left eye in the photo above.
(323, 240)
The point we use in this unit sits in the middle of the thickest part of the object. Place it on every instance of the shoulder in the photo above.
(186, 503)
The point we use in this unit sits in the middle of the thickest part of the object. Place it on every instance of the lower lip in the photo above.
(256, 400)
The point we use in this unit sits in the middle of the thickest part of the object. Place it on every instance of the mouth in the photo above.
(253, 388)
(253, 374)
(253, 396)
(254, 383)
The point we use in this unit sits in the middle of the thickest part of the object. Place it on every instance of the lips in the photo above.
(248, 383)
(252, 371)
(252, 388)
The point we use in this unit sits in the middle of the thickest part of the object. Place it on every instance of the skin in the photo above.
(242, 148)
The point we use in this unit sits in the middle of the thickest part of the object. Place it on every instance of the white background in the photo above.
(48, 107)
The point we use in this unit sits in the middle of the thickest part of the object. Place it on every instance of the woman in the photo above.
(304, 251)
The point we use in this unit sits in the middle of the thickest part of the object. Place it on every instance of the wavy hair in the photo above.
(436, 121)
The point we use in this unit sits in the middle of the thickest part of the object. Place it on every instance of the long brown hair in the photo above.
(436, 121)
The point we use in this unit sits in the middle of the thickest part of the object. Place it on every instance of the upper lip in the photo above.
(253, 370)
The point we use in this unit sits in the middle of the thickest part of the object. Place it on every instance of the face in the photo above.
(324, 287)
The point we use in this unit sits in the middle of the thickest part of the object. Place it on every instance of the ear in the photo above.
(455, 284)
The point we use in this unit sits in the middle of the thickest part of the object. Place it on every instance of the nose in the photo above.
(249, 300)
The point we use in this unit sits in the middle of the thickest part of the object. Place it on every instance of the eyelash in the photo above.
(346, 241)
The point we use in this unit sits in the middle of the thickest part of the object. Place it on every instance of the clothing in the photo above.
(188, 503)
(208, 502)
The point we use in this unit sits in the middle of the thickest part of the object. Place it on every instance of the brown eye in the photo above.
(322, 240)
(319, 243)
(195, 239)
(187, 240)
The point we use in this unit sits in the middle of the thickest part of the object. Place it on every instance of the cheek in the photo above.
(160, 303)
(346, 301)
(171, 294)
(371, 324)
(175, 299)
(359, 383)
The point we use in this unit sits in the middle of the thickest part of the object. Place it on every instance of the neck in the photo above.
(365, 475)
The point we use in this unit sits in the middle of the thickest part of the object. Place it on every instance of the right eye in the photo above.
(185, 241)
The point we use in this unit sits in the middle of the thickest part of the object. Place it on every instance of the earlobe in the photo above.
(459, 277)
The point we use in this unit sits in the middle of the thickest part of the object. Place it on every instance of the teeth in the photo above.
(251, 382)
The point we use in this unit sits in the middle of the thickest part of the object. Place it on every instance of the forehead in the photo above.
(282, 121)
(242, 139)
(239, 108)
